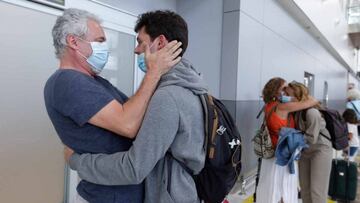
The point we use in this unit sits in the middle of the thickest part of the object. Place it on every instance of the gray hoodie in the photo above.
(173, 123)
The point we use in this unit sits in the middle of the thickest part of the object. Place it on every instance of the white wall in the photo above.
(141, 6)
(204, 19)
(332, 24)
(284, 49)
(352, 79)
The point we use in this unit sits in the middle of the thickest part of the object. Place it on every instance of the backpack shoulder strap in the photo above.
(267, 115)
(322, 111)
(182, 164)
(326, 137)
(300, 115)
(303, 114)
(211, 121)
(213, 126)
(357, 111)
(206, 117)
(261, 111)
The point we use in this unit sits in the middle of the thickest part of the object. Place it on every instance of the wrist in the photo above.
(153, 75)
(74, 161)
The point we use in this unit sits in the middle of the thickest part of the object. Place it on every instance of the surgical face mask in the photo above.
(284, 98)
(141, 61)
(99, 56)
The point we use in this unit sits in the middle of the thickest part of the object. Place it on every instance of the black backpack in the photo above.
(223, 152)
(336, 126)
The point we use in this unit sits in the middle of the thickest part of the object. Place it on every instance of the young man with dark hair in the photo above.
(172, 130)
(152, 23)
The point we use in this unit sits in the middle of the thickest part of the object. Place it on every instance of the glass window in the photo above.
(120, 68)
(309, 82)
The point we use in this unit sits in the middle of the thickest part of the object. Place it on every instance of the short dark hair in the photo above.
(350, 116)
(164, 22)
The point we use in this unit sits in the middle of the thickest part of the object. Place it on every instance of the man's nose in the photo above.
(137, 50)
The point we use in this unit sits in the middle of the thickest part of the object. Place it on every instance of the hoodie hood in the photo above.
(185, 75)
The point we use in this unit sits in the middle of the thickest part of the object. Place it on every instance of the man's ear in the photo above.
(162, 42)
(72, 42)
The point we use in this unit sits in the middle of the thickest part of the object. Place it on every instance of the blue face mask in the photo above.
(99, 56)
(285, 99)
(141, 61)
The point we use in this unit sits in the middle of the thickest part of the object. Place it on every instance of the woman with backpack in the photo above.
(273, 185)
(315, 161)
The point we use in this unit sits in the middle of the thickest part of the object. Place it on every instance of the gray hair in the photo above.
(351, 86)
(353, 94)
(73, 21)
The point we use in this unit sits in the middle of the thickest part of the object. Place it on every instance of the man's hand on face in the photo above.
(161, 61)
(68, 153)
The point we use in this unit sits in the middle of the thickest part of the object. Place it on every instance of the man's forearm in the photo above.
(112, 169)
(136, 106)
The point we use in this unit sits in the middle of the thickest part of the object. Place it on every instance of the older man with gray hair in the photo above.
(88, 113)
(353, 98)
(353, 102)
